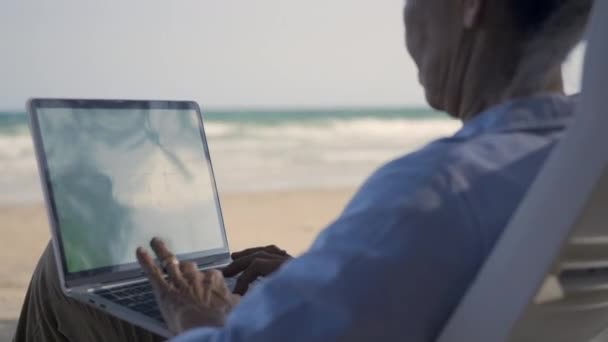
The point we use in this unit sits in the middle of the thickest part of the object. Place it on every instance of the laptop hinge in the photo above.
(116, 283)
(83, 288)
(140, 277)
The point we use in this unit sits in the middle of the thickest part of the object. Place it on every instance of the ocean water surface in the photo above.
(265, 150)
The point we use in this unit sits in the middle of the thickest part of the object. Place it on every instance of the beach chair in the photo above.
(547, 278)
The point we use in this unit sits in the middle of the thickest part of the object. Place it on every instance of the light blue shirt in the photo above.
(397, 261)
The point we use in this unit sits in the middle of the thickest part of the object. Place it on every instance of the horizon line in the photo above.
(262, 109)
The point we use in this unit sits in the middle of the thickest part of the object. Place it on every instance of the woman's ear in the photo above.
(471, 12)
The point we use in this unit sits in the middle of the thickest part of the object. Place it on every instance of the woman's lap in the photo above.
(49, 315)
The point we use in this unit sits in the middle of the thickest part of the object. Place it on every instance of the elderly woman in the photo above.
(397, 261)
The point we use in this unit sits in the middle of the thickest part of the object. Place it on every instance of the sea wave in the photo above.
(13, 146)
(220, 129)
(255, 156)
(367, 128)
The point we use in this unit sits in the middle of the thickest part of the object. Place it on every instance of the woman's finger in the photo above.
(168, 261)
(190, 271)
(214, 287)
(152, 272)
(258, 268)
(216, 280)
(272, 249)
(240, 264)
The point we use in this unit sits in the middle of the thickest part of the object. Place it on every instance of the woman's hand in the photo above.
(254, 263)
(188, 298)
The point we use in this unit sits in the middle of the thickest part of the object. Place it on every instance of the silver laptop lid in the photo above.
(117, 173)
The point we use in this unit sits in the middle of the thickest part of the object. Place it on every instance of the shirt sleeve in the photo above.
(392, 267)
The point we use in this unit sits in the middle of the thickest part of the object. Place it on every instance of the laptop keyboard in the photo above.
(140, 298)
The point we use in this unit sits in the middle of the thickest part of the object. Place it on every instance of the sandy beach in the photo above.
(289, 219)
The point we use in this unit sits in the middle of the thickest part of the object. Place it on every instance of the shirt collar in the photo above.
(537, 113)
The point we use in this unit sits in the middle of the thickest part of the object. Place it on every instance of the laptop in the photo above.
(115, 174)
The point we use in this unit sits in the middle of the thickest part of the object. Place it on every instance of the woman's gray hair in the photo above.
(547, 48)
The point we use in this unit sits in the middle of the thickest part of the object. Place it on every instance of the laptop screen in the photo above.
(119, 174)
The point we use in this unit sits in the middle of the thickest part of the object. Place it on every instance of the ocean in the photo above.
(265, 150)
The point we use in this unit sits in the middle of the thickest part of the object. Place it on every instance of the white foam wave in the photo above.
(297, 154)
(366, 129)
(15, 146)
(214, 129)
(20, 180)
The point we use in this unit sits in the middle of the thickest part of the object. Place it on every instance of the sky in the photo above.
(221, 53)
